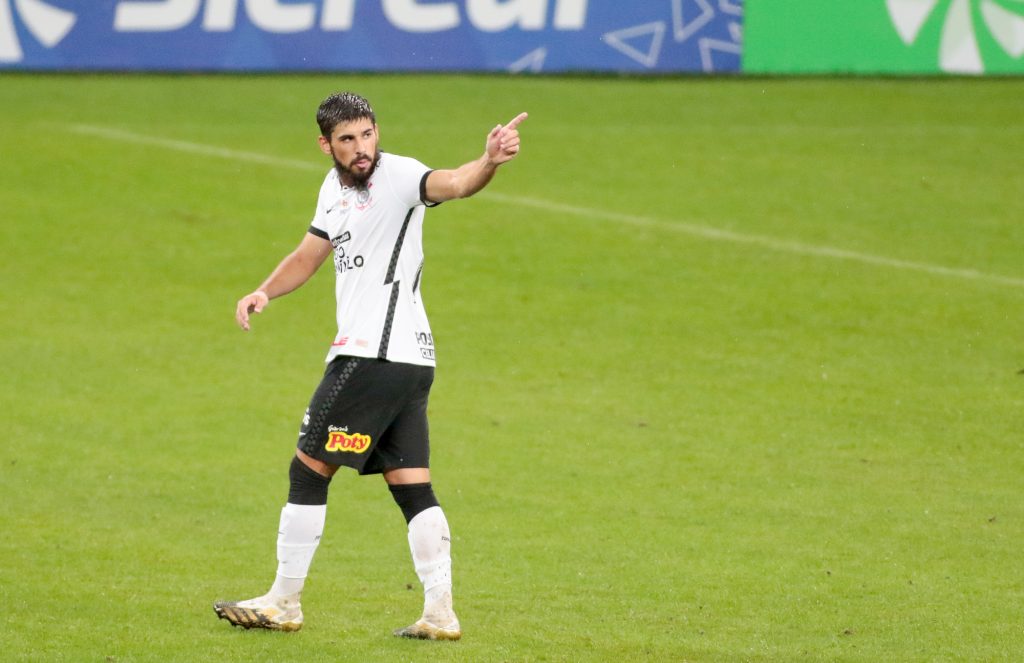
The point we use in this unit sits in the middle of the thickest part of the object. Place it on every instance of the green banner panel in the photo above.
(884, 36)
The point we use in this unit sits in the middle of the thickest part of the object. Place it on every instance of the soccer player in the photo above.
(369, 412)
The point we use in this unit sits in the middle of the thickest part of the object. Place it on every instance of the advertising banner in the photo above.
(885, 36)
(381, 35)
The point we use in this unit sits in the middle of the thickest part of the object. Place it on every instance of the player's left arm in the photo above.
(502, 146)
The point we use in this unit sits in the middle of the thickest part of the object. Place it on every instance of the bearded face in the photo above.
(360, 170)
(353, 147)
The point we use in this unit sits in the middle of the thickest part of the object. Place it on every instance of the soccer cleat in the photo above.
(274, 613)
(424, 630)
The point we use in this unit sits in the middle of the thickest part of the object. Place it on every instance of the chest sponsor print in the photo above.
(342, 261)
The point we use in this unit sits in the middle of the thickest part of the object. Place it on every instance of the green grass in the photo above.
(651, 444)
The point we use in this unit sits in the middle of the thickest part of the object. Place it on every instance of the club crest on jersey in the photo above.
(341, 440)
(363, 198)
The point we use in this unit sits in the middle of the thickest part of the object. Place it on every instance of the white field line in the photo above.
(784, 245)
(695, 230)
(195, 148)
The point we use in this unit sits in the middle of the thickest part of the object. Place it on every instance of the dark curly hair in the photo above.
(342, 107)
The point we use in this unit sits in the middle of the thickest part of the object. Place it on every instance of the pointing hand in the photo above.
(503, 141)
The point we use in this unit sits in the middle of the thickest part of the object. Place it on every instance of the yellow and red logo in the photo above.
(355, 443)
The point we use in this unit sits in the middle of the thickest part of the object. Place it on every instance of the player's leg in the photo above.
(406, 457)
(299, 532)
(430, 545)
(302, 518)
(302, 524)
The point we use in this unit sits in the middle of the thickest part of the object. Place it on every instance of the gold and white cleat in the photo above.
(424, 630)
(274, 613)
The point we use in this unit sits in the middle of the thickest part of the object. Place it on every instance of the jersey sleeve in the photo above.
(423, 191)
(318, 226)
(409, 180)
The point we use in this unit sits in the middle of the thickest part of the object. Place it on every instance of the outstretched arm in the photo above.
(296, 268)
(502, 145)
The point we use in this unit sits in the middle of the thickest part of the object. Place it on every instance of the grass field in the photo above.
(728, 370)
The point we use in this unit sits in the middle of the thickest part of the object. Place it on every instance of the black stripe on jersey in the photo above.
(385, 337)
(398, 248)
(416, 281)
(423, 191)
(313, 230)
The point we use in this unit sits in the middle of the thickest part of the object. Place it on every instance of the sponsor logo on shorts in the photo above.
(340, 440)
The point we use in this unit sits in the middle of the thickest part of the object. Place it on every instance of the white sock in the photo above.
(431, 543)
(298, 536)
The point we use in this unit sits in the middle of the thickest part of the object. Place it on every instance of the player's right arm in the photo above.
(296, 268)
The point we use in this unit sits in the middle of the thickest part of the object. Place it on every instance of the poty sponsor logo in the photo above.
(341, 441)
(338, 15)
(49, 25)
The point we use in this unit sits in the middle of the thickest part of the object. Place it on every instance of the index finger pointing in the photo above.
(516, 120)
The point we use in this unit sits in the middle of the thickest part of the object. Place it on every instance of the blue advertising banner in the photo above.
(383, 35)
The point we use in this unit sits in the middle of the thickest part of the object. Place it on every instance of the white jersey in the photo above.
(377, 233)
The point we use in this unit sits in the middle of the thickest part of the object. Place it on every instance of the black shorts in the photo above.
(370, 415)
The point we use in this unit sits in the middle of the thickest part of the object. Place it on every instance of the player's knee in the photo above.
(306, 486)
(413, 498)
